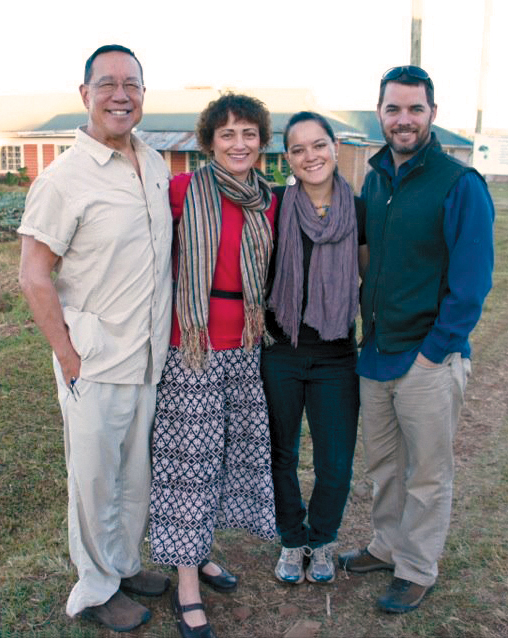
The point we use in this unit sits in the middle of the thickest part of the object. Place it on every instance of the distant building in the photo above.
(490, 156)
(33, 131)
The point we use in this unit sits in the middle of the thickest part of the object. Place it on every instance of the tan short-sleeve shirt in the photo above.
(112, 232)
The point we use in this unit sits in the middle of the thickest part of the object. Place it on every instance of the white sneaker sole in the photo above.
(290, 582)
(311, 579)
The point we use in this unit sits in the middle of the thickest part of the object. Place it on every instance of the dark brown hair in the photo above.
(242, 107)
(407, 77)
(305, 116)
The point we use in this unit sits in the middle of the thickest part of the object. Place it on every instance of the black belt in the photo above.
(226, 294)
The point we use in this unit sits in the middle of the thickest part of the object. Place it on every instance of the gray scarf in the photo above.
(332, 300)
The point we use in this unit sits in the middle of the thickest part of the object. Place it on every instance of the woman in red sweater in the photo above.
(211, 441)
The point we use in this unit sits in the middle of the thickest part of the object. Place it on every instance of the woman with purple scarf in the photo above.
(311, 309)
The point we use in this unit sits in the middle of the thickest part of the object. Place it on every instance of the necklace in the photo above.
(322, 211)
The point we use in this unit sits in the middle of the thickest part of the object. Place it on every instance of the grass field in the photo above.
(468, 602)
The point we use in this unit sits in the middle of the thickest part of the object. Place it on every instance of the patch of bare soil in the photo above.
(8, 277)
(9, 291)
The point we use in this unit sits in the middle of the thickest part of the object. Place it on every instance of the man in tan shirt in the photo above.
(99, 216)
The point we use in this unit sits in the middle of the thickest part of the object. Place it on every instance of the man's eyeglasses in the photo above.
(108, 87)
(409, 69)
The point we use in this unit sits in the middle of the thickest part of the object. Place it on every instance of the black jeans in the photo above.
(327, 387)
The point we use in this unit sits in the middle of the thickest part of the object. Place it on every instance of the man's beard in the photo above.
(422, 138)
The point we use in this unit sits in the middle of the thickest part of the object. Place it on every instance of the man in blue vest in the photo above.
(429, 232)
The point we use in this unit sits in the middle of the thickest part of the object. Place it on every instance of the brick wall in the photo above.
(352, 164)
(30, 153)
(178, 163)
(48, 154)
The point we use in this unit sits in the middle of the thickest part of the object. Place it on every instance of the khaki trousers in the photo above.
(107, 440)
(408, 429)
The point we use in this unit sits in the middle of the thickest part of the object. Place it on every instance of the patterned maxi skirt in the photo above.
(210, 455)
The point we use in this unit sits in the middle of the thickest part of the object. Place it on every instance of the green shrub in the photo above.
(11, 179)
(12, 206)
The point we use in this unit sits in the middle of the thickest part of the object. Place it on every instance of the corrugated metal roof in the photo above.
(188, 121)
(367, 122)
(177, 141)
(64, 122)
(164, 122)
(161, 141)
(276, 144)
(279, 121)
(179, 122)
(175, 131)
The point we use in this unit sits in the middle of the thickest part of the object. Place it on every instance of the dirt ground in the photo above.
(263, 608)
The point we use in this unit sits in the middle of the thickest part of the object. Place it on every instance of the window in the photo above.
(271, 165)
(10, 158)
(197, 160)
(275, 163)
(284, 166)
(61, 148)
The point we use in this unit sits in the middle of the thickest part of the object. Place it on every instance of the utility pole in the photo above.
(484, 64)
(416, 33)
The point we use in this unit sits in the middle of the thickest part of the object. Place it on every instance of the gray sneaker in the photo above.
(321, 568)
(289, 568)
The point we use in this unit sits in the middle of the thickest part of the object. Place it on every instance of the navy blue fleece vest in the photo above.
(407, 274)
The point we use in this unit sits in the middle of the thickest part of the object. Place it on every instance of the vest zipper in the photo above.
(377, 276)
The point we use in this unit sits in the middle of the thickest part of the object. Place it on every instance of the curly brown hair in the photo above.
(243, 107)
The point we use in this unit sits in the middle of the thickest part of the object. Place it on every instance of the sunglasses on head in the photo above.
(410, 70)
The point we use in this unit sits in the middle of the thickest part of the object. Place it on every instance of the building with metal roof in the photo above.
(168, 126)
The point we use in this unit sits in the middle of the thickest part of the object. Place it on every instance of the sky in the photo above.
(337, 49)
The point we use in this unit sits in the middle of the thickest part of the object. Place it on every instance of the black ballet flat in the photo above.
(224, 582)
(186, 631)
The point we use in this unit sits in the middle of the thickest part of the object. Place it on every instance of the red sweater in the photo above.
(226, 316)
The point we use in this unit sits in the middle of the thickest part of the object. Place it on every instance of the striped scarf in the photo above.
(199, 235)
